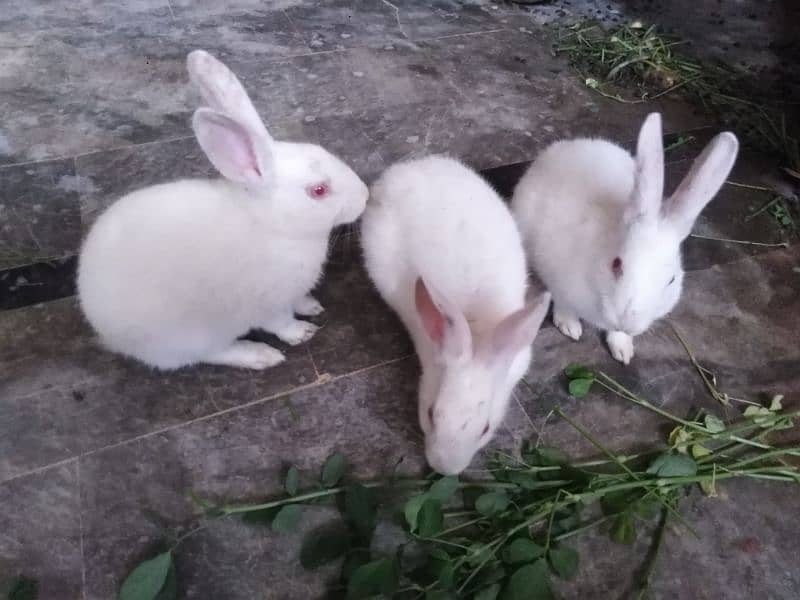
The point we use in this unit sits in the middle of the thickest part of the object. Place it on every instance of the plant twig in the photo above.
(653, 558)
(745, 242)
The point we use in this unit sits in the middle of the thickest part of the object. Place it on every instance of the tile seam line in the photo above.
(322, 380)
(75, 157)
(267, 61)
(352, 112)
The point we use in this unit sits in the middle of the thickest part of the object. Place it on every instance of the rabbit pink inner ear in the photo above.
(223, 91)
(443, 323)
(432, 319)
(229, 146)
(519, 329)
(707, 175)
(649, 176)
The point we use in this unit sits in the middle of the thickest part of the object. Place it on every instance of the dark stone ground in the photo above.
(96, 452)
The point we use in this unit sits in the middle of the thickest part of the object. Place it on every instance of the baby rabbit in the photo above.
(444, 252)
(172, 274)
(599, 235)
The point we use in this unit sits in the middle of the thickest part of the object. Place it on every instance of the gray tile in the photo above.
(41, 532)
(360, 330)
(440, 18)
(63, 395)
(341, 135)
(39, 212)
(340, 24)
(58, 106)
(739, 321)
(739, 558)
(133, 494)
(42, 14)
(389, 77)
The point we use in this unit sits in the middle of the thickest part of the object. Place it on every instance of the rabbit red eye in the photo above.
(485, 429)
(318, 191)
(616, 267)
(430, 414)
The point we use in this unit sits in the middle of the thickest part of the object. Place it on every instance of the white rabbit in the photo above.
(444, 252)
(600, 237)
(172, 274)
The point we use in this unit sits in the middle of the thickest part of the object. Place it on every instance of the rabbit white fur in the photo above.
(172, 274)
(600, 237)
(444, 252)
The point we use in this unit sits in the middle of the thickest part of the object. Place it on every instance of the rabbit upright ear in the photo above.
(649, 177)
(443, 322)
(518, 329)
(229, 146)
(224, 93)
(709, 171)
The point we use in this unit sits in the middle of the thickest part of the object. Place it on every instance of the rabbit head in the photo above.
(302, 185)
(644, 275)
(463, 396)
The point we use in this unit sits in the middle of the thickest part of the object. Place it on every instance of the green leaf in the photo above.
(564, 561)
(647, 508)
(550, 457)
(759, 415)
(287, 518)
(623, 530)
(146, 580)
(673, 465)
(714, 424)
(360, 507)
(616, 502)
(411, 510)
(356, 558)
(447, 575)
(438, 595)
(578, 371)
(567, 523)
(776, 403)
(492, 503)
(373, 578)
(490, 575)
(709, 488)
(170, 589)
(580, 387)
(679, 438)
(521, 550)
(699, 451)
(524, 479)
(488, 593)
(478, 554)
(292, 481)
(430, 518)
(325, 544)
(333, 470)
(443, 489)
(23, 588)
(530, 582)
